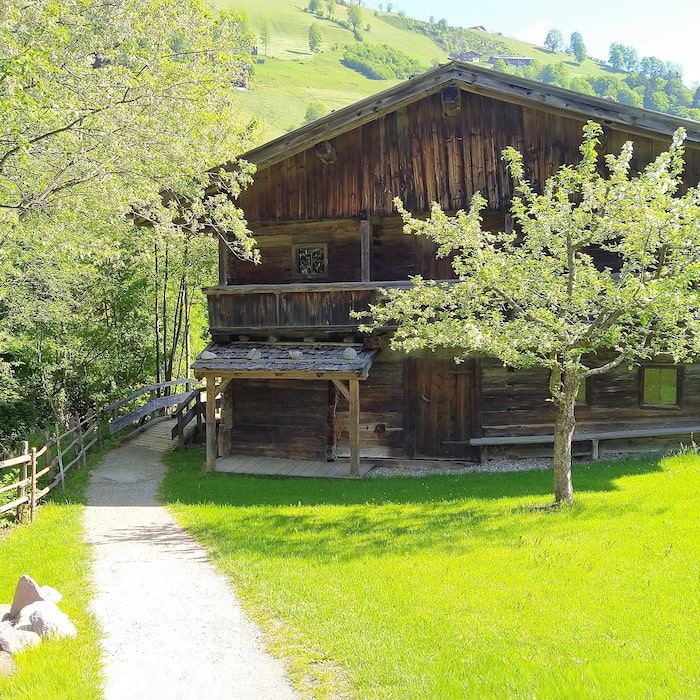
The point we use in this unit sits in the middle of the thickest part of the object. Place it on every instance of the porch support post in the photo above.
(354, 428)
(211, 423)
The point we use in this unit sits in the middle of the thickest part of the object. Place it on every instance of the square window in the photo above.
(310, 261)
(660, 386)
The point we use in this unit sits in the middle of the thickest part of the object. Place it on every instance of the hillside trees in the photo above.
(103, 108)
(536, 298)
(577, 47)
(554, 41)
(315, 38)
(379, 62)
(354, 16)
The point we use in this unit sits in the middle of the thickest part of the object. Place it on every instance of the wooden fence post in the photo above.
(98, 425)
(32, 487)
(180, 431)
(22, 490)
(81, 440)
(59, 457)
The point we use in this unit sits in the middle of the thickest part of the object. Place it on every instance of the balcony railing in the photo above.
(280, 308)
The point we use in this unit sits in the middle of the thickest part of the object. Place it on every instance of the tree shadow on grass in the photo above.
(344, 520)
(187, 484)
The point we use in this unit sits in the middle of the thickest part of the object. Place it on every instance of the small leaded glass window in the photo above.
(310, 260)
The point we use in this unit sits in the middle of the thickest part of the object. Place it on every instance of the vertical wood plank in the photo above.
(354, 428)
(364, 247)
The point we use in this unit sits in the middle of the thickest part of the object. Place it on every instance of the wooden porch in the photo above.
(277, 466)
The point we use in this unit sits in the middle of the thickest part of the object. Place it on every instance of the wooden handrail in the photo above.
(145, 390)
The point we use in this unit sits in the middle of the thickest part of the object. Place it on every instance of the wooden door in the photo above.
(443, 407)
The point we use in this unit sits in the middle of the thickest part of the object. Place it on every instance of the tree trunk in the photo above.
(564, 425)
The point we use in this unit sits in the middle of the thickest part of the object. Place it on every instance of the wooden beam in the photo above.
(222, 386)
(354, 428)
(211, 423)
(364, 246)
(342, 388)
(286, 374)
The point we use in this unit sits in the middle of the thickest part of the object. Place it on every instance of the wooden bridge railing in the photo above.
(191, 407)
(155, 403)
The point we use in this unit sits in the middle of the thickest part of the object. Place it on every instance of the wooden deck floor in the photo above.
(275, 466)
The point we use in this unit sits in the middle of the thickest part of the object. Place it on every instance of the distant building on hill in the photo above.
(468, 57)
(517, 61)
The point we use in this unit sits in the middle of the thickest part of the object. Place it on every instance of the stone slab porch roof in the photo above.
(285, 361)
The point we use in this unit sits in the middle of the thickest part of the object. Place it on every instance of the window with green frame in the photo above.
(660, 386)
(582, 393)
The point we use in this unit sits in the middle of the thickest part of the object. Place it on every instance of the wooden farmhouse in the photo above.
(298, 380)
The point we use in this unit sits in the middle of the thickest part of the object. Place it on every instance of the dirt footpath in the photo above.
(173, 627)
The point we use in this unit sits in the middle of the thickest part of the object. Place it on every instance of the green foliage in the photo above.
(315, 110)
(105, 107)
(554, 40)
(354, 17)
(577, 47)
(462, 586)
(538, 298)
(315, 38)
(380, 62)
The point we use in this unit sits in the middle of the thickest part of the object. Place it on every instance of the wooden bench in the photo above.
(595, 437)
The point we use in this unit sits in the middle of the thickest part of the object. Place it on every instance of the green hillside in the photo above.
(288, 76)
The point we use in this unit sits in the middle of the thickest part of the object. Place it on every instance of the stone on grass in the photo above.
(26, 593)
(51, 594)
(9, 639)
(7, 665)
(15, 641)
(48, 621)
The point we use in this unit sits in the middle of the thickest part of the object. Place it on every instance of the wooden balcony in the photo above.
(288, 309)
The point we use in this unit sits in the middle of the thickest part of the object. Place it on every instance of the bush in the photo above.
(380, 62)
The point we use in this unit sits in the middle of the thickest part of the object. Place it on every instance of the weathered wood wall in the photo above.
(281, 418)
(514, 402)
(420, 155)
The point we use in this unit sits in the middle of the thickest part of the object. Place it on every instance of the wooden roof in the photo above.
(285, 361)
(478, 80)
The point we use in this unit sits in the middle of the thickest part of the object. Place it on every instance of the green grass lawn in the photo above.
(52, 551)
(465, 586)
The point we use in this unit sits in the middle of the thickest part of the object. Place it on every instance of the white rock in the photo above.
(350, 354)
(9, 638)
(51, 594)
(206, 355)
(46, 620)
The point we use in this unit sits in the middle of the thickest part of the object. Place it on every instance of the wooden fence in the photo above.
(40, 470)
(37, 471)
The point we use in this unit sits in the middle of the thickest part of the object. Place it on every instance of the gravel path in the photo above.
(173, 627)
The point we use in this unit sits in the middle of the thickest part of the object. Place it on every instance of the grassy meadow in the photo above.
(52, 552)
(465, 586)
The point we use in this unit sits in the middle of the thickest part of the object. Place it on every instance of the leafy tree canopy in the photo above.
(105, 106)
(554, 41)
